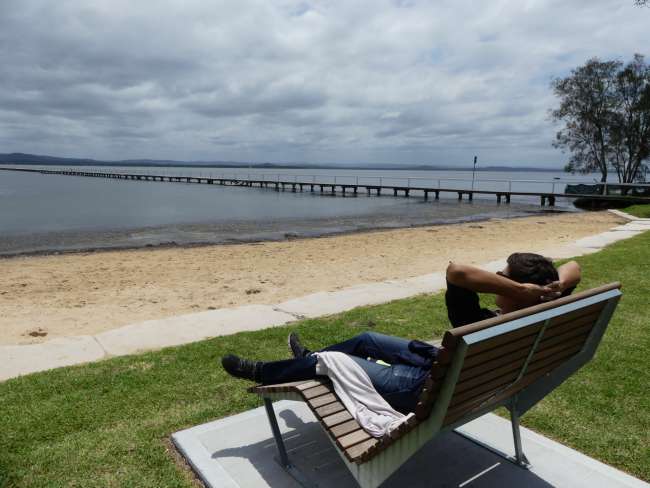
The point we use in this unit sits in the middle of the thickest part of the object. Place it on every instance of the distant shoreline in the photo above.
(39, 160)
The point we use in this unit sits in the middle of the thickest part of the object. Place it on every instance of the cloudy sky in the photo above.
(367, 81)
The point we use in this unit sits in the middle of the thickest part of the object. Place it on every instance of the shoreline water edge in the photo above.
(244, 232)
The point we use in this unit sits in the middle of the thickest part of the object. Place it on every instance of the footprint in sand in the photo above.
(37, 333)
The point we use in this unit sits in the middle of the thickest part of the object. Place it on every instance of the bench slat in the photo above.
(358, 450)
(344, 428)
(277, 388)
(353, 438)
(337, 418)
(329, 409)
(321, 400)
(304, 385)
(316, 391)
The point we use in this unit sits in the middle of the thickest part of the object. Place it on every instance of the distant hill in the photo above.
(22, 158)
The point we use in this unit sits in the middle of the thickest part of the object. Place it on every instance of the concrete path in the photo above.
(16, 360)
(239, 451)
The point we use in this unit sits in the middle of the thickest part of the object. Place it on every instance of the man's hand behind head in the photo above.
(555, 291)
(531, 294)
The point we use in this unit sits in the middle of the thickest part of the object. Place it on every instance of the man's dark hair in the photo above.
(526, 267)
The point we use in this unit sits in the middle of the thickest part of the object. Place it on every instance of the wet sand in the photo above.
(43, 297)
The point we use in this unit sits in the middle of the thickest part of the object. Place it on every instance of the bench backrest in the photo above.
(496, 358)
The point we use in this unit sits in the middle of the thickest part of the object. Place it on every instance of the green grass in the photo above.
(641, 211)
(107, 423)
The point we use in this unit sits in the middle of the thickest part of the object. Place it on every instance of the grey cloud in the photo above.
(374, 81)
(256, 100)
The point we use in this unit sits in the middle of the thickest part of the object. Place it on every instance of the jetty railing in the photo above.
(342, 184)
(390, 181)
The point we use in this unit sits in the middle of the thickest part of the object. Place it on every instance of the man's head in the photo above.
(525, 267)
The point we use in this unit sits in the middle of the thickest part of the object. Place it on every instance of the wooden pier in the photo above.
(546, 198)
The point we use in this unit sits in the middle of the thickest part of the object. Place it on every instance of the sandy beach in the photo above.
(43, 297)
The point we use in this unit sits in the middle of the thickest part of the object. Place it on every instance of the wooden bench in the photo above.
(513, 360)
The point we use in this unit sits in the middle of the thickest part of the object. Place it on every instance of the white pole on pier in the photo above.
(473, 172)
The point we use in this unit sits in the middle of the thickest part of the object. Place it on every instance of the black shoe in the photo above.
(295, 347)
(242, 368)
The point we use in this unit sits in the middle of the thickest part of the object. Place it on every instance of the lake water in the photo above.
(40, 213)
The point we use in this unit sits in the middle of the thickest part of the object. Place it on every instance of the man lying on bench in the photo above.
(528, 279)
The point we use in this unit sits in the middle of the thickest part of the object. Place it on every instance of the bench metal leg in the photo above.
(283, 459)
(519, 458)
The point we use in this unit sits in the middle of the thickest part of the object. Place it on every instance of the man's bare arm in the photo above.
(481, 281)
(570, 275)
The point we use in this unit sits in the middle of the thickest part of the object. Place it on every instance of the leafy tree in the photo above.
(631, 122)
(587, 101)
(605, 108)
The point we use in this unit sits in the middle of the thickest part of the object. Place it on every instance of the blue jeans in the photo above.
(399, 384)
